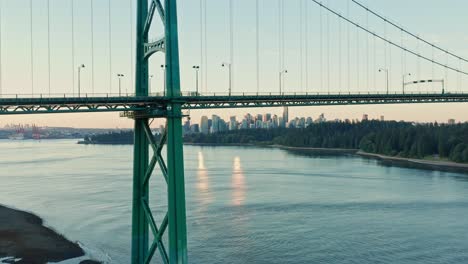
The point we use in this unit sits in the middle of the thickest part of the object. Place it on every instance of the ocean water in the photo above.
(247, 205)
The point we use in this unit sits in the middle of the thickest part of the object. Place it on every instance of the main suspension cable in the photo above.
(407, 32)
(389, 41)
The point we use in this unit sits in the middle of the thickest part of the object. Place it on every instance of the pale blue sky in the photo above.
(442, 22)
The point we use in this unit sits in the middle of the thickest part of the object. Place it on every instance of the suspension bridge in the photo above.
(351, 54)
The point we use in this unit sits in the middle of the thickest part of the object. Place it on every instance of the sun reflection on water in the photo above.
(238, 183)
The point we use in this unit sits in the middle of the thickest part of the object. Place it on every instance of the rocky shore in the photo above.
(25, 240)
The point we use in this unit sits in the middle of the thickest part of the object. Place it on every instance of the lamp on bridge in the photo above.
(150, 80)
(281, 79)
(404, 82)
(82, 66)
(163, 67)
(197, 69)
(120, 76)
(228, 64)
(386, 73)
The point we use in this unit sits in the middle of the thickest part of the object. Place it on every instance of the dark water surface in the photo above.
(247, 205)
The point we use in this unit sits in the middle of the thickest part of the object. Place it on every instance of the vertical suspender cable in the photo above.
(349, 47)
(367, 52)
(339, 55)
(48, 40)
(110, 44)
(301, 2)
(307, 44)
(390, 65)
(358, 64)
(282, 36)
(418, 63)
(72, 2)
(459, 76)
(328, 49)
(1, 50)
(446, 71)
(32, 46)
(375, 61)
(206, 44)
(385, 46)
(279, 45)
(231, 37)
(257, 40)
(403, 66)
(131, 46)
(92, 46)
(321, 49)
(432, 69)
(202, 70)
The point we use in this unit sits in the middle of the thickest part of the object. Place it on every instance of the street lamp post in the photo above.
(197, 69)
(226, 64)
(404, 76)
(386, 73)
(120, 76)
(163, 67)
(150, 81)
(82, 66)
(281, 79)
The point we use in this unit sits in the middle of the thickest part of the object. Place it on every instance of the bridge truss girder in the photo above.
(156, 105)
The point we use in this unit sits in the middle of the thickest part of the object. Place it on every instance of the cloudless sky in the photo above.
(328, 67)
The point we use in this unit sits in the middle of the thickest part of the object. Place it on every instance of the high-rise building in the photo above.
(285, 114)
(275, 122)
(215, 124)
(281, 122)
(259, 117)
(204, 125)
(233, 123)
(309, 121)
(195, 128)
(451, 121)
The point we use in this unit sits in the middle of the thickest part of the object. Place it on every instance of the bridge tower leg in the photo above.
(142, 217)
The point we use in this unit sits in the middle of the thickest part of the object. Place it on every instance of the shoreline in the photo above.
(398, 161)
(421, 163)
(24, 236)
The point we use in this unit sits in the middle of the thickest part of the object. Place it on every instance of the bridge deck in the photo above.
(9, 106)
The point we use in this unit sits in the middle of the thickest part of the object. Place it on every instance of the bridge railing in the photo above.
(220, 94)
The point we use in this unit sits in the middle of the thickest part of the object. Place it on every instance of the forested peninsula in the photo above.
(390, 138)
(430, 141)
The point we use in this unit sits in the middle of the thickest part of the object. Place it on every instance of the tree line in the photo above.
(404, 139)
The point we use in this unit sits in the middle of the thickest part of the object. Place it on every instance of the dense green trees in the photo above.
(389, 138)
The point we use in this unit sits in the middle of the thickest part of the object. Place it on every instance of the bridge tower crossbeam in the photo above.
(173, 172)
